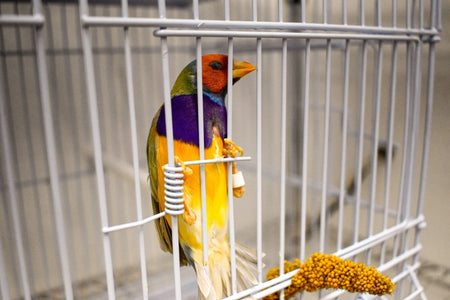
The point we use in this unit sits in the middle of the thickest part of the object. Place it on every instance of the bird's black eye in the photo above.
(216, 65)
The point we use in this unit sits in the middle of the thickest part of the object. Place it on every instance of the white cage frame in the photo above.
(416, 35)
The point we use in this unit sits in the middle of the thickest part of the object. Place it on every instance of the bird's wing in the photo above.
(162, 226)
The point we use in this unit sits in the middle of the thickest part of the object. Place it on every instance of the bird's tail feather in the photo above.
(245, 267)
(205, 287)
(218, 284)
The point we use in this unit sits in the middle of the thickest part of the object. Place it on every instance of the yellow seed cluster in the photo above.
(291, 290)
(324, 271)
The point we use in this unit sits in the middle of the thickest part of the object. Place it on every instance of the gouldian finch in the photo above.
(186, 148)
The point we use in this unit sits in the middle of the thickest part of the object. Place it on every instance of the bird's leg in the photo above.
(232, 150)
(189, 215)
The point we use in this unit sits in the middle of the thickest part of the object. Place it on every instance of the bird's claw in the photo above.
(238, 192)
(189, 215)
(186, 170)
(231, 149)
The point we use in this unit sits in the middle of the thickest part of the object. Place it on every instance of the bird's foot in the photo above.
(238, 192)
(231, 149)
(189, 215)
(186, 170)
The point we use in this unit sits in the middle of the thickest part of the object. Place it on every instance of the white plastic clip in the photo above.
(238, 179)
(173, 190)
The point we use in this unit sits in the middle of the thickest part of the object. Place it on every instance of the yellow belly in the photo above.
(216, 191)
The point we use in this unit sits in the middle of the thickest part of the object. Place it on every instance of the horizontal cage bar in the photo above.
(261, 25)
(287, 35)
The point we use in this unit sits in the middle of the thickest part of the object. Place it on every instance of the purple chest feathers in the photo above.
(185, 119)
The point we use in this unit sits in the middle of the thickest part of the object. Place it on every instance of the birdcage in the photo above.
(334, 124)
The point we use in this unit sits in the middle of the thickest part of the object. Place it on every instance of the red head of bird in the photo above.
(214, 76)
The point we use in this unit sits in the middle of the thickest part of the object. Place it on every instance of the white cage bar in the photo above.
(332, 124)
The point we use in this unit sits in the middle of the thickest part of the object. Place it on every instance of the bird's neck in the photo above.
(218, 98)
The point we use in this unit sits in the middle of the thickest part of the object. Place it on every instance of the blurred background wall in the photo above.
(74, 144)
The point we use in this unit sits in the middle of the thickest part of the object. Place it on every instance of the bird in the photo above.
(184, 106)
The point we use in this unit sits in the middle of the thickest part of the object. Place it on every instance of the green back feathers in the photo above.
(186, 83)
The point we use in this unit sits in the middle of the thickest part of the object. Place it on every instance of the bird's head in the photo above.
(215, 76)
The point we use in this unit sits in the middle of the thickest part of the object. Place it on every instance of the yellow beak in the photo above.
(241, 68)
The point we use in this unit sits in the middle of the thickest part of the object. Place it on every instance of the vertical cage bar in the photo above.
(134, 148)
(412, 153)
(342, 192)
(201, 149)
(408, 14)
(426, 138)
(378, 10)
(255, 10)
(227, 10)
(305, 150)
(323, 205)
(427, 127)
(360, 143)
(280, 11)
(404, 205)
(421, 14)
(162, 10)
(406, 138)
(171, 160)
(361, 12)
(324, 12)
(259, 252)
(51, 153)
(170, 150)
(390, 153)
(344, 12)
(195, 9)
(415, 74)
(433, 13)
(375, 135)
(98, 160)
(439, 15)
(414, 131)
(303, 11)
(230, 186)
(283, 155)
(394, 13)
(13, 200)
(176, 258)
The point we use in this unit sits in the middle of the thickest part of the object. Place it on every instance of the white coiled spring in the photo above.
(173, 184)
